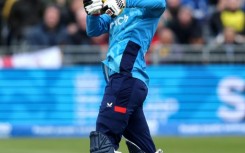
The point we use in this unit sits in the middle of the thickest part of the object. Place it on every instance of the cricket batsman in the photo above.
(131, 25)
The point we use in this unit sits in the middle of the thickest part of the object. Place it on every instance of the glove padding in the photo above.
(93, 6)
(113, 7)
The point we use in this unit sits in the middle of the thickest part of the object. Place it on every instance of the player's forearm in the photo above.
(97, 25)
(149, 4)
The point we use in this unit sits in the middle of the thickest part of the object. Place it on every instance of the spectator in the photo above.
(196, 37)
(200, 8)
(229, 14)
(215, 23)
(166, 39)
(19, 15)
(185, 26)
(230, 37)
(62, 4)
(71, 17)
(171, 13)
(166, 36)
(227, 39)
(23, 15)
(233, 16)
(50, 32)
(78, 35)
(1, 24)
(74, 7)
(165, 48)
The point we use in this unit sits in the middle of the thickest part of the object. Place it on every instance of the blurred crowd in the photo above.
(44, 23)
(63, 22)
(200, 22)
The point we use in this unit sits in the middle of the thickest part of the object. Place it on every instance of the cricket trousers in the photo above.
(121, 112)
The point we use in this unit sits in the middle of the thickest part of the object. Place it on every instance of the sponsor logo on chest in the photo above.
(119, 21)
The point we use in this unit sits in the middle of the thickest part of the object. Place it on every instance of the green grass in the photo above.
(169, 144)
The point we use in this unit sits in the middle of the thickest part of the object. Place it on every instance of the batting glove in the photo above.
(113, 7)
(92, 6)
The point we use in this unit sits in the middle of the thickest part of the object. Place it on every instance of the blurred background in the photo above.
(51, 82)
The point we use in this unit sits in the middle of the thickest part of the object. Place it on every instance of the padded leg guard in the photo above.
(133, 148)
(100, 143)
